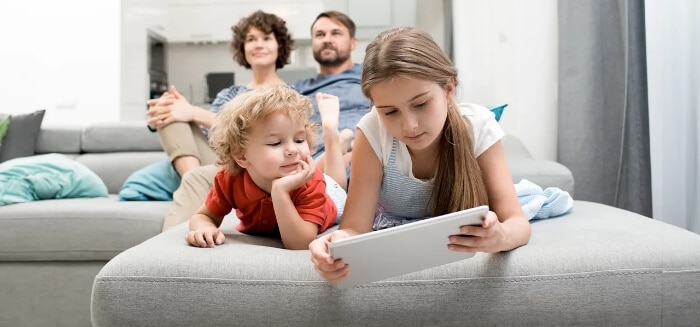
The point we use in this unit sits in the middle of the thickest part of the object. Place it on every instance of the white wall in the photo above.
(85, 61)
(62, 56)
(506, 52)
(430, 16)
(138, 19)
(77, 58)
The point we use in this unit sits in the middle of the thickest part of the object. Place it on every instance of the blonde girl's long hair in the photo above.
(411, 52)
(230, 132)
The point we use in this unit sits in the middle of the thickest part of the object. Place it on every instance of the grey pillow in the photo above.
(20, 139)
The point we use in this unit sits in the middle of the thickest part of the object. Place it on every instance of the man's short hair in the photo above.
(339, 17)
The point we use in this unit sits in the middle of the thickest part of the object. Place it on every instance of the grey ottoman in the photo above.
(596, 266)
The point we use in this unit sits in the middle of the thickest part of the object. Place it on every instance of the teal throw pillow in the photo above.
(498, 111)
(155, 182)
(47, 176)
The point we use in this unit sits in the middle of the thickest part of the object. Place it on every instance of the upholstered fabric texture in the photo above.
(107, 227)
(587, 268)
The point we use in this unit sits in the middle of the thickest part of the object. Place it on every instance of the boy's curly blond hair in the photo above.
(230, 132)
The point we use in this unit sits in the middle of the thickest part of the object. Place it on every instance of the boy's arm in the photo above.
(296, 233)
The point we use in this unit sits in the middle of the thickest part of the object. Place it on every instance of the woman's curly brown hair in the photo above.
(230, 132)
(267, 23)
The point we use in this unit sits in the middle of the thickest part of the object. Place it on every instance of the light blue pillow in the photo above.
(47, 176)
(155, 182)
(498, 111)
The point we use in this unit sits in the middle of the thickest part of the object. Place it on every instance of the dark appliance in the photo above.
(217, 82)
(157, 70)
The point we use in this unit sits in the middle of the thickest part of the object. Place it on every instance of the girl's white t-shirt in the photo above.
(485, 128)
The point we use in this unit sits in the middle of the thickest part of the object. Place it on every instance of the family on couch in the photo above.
(262, 43)
(416, 154)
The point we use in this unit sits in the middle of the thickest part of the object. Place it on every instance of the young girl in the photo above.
(418, 154)
(262, 140)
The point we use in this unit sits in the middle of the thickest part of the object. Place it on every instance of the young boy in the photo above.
(262, 140)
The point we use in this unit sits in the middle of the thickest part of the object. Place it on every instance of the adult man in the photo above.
(333, 40)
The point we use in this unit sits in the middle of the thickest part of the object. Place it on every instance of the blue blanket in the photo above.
(540, 204)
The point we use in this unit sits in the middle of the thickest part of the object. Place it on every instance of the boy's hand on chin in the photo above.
(295, 180)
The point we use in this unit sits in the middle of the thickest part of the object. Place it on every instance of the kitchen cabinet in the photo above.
(374, 16)
(211, 21)
(202, 22)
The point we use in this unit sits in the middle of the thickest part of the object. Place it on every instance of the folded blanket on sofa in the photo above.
(540, 204)
(47, 176)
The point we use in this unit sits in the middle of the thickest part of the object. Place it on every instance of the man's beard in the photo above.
(332, 61)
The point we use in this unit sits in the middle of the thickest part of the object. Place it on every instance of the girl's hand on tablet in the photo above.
(489, 237)
(330, 269)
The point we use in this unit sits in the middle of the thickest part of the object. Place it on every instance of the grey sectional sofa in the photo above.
(51, 250)
(596, 266)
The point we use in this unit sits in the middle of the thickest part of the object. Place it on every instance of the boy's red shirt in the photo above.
(254, 206)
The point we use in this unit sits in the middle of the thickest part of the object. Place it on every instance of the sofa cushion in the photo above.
(76, 229)
(598, 265)
(20, 138)
(544, 173)
(114, 167)
(119, 136)
(498, 111)
(65, 139)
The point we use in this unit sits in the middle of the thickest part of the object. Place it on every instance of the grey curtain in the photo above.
(603, 107)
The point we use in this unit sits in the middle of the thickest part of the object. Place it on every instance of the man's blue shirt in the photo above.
(346, 86)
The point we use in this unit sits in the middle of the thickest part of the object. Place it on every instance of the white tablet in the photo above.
(403, 249)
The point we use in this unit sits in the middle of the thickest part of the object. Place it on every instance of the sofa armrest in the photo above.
(545, 173)
(598, 265)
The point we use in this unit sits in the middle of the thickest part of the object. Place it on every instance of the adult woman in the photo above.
(418, 154)
(261, 43)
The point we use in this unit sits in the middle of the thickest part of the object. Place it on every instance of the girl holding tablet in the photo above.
(418, 154)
